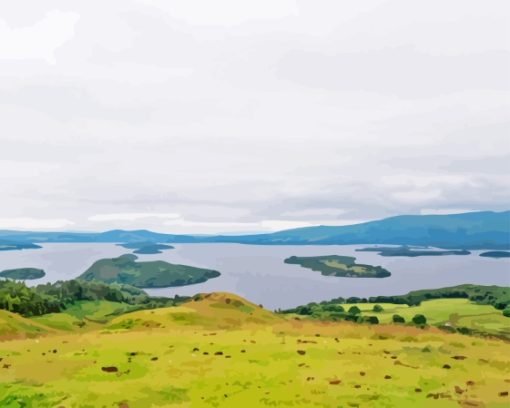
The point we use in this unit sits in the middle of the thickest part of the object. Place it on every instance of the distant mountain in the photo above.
(484, 230)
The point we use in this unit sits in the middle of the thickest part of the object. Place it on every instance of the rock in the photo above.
(301, 352)
(110, 369)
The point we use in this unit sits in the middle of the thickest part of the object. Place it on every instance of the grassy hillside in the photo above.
(219, 350)
(13, 325)
(455, 313)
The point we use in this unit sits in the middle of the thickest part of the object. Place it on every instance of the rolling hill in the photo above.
(220, 350)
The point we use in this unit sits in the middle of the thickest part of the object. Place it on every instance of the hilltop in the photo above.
(223, 351)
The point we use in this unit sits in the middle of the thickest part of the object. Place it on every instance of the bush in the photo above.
(419, 320)
(354, 310)
(333, 308)
(398, 319)
(371, 319)
(506, 312)
(377, 308)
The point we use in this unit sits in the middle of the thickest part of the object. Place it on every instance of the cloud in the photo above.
(228, 117)
(26, 223)
(131, 216)
(39, 41)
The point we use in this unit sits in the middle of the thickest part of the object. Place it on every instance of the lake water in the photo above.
(259, 274)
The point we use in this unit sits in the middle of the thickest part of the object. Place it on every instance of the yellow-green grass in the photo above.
(225, 352)
(84, 315)
(13, 325)
(453, 312)
(342, 266)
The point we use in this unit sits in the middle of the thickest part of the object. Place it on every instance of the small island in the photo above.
(146, 247)
(10, 246)
(411, 252)
(341, 266)
(23, 273)
(152, 274)
(495, 254)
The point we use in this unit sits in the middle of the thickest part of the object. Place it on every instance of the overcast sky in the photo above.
(241, 116)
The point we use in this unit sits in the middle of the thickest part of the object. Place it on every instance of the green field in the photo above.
(440, 312)
(219, 350)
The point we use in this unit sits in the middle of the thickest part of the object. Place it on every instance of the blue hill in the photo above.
(484, 230)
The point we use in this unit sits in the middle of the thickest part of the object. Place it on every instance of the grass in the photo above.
(84, 315)
(222, 351)
(453, 312)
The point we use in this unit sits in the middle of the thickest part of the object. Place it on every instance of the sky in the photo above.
(247, 116)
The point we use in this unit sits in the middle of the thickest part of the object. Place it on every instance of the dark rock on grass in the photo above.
(470, 383)
(503, 394)
(362, 373)
(109, 369)
(387, 377)
(301, 352)
(459, 357)
(218, 353)
(154, 358)
(458, 390)
(334, 382)
(447, 366)
(417, 390)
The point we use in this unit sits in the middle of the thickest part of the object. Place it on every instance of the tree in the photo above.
(419, 320)
(354, 310)
(372, 319)
(506, 312)
(398, 319)
(377, 308)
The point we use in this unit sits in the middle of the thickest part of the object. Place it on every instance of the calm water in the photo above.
(259, 274)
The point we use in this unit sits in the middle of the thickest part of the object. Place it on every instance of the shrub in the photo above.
(377, 308)
(371, 319)
(506, 312)
(398, 319)
(419, 320)
(354, 310)
(333, 308)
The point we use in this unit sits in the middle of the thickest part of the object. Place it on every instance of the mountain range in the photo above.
(482, 230)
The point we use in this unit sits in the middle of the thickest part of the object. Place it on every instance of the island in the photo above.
(411, 251)
(151, 274)
(496, 254)
(341, 266)
(146, 247)
(10, 246)
(23, 273)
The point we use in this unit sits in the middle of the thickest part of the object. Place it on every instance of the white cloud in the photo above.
(40, 40)
(235, 116)
(225, 12)
(441, 211)
(26, 223)
(131, 216)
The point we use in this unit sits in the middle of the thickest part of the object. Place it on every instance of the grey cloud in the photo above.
(403, 71)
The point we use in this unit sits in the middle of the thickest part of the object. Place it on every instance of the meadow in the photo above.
(219, 350)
